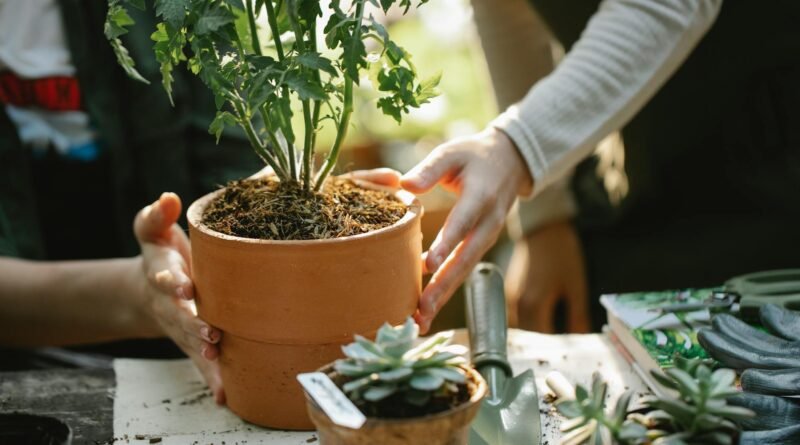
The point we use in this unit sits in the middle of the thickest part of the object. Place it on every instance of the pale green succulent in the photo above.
(392, 364)
(700, 414)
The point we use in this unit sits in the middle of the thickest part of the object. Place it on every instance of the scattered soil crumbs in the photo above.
(269, 209)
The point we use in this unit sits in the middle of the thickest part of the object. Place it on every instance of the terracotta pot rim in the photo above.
(475, 397)
(195, 213)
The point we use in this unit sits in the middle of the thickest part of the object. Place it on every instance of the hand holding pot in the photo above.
(488, 173)
(167, 290)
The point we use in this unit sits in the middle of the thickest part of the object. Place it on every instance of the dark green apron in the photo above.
(713, 160)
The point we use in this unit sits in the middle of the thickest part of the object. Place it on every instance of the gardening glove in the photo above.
(168, 291)
(777, 419)
(770, 363)
(547, 267)
(488, 173)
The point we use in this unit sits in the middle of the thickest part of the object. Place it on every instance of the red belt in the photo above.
(57, 93)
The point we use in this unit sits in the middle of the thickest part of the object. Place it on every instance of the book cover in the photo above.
(652, 338)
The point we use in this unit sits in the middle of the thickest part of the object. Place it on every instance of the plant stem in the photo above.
(273, 26)
(272, 138)
(307, 149)
(317, 103)
(279, 153)
(347, 110)
(251, 18)
(276, 37)
(341, 132)
(308, 130)
(244, 121)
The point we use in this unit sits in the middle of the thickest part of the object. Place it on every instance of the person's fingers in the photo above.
(166, 270)
(424, 259)
(455, 269)
(214, 381)
(153, 222)
(461, 220)
(210, 372)
(264, 172)
(180, 241)
(195, 338)
(181, 324)
(386, 177)
(438, 165)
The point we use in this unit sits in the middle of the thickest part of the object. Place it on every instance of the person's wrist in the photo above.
(518, 168)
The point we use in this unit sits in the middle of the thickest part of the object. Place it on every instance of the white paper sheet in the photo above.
(167, 399)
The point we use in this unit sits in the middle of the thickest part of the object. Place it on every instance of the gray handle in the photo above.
(486, 317)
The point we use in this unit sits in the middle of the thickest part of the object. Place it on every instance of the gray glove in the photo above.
(771, 363)
(770, 367)
(777, 419)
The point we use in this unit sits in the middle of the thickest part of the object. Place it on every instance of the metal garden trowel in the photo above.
(509, 415)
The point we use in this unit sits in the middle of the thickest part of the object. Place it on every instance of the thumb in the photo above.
(381, 176)
(425, 175)
(154, 221)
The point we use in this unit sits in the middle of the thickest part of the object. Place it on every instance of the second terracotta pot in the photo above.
(287, 307)
(449, 427)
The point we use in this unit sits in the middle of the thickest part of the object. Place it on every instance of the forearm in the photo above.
(70, 302)
(627, 52)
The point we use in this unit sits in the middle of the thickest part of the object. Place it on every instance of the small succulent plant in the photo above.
(588, 421)
(700, 414)
(392, 364)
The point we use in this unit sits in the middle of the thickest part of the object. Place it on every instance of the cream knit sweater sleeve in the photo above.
(519, 52)
(626, 53)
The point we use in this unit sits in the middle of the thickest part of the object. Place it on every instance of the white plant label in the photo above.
(332, 400)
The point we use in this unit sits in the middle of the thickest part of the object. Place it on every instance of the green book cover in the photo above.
(663, 344)
(660, 335)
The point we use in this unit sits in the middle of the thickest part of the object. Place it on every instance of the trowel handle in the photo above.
(486, 317)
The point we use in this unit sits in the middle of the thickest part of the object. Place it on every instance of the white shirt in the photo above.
(32, 42)
(33, 45)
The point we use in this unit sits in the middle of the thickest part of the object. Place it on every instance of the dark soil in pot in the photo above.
(268, 209)
(396, 406)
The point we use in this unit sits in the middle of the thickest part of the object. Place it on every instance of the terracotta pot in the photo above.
(287, 307)
(445, 428)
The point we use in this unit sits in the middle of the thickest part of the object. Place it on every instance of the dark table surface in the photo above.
(81, 398)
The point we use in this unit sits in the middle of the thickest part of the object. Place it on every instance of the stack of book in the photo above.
(649, 338)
